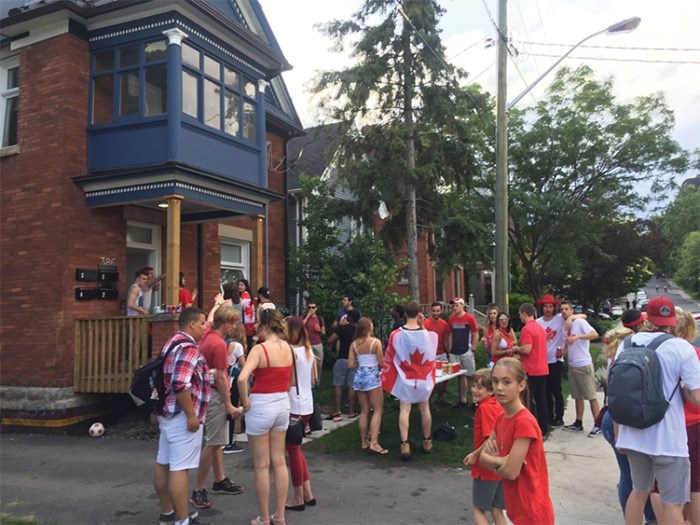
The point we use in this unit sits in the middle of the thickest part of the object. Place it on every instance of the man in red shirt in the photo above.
(462, 339)
(533, 356)
(316, 328)
(435, 323)
(215, 352)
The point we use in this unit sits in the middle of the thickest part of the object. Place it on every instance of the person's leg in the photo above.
(634, 513)
(260, 451)
(538, 387)
(480, 517)
(279, 468)
(218, 463)
(376, 401)
(179, 487)
(404, 414)
(642, 474)
(352, 398)
(426, 426)
(558, 394)
(307, 493)
(161, 476)
(498, 517)
(337, 397)
(296, 469)
(579, 409)
(595, 408)
(694, 508)
(463, 389)
(205, 463)
(364, 416)
(550, 393)
(672, 513)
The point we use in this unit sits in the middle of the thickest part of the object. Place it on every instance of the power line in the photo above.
(610, 59)
(630, 48)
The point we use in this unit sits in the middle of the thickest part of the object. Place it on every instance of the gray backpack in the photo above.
(635, 385)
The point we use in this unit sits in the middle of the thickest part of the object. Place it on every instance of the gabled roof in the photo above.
(310, 154)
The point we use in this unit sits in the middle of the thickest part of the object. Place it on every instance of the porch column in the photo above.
(174, 101)
(257, 272)
(260, 133)
(172, 253)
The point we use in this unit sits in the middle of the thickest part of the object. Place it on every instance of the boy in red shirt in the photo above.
(487, 491)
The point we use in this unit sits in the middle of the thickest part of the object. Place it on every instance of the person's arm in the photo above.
(496, 349)
(218, 301)
(133, 297)
(588, 336)
(251, 364)
(475, 335)
(155, 280)
(184, 399)
(523, 349)
(509, 466)
(692, 395)
(332, 339)
(322, 326)
(352, 356)
(569, 321)
(222, 387)
(380, 354)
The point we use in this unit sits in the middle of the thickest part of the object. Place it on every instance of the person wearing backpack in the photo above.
(660, 451)
(185, 375)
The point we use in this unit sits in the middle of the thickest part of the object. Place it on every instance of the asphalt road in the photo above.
(673, 292)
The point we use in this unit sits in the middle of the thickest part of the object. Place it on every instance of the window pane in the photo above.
(250, 89)
(231, 77)
(212, 67)
(156, 51)
(231, 254)
(231, 275)
(233, 113)
(129, 56)
(189, 94)
(212, 104)
(104, 61)
(129, 93)
(138, 234)
(102, 99)
(156, 90)
(190, 56)
(249, 120)
(9, 135)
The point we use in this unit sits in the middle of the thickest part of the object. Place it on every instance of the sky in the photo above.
(668, 61)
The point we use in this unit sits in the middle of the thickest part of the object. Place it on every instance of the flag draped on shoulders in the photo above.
(409, 365)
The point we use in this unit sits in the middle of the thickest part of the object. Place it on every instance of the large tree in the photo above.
(414, 137)
(576, 161)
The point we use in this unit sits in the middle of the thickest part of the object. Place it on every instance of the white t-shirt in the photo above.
(554, 328)
(303, 404)
(580, 352)
(237, 352)
(666, 438)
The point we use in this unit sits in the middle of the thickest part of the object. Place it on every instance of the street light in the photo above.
(501, 269)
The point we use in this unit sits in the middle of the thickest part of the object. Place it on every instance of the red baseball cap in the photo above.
(547, 299)
(661, 312)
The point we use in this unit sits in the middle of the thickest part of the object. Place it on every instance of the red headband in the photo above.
(639, 320)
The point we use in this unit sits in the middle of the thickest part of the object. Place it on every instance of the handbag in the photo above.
(316, 420)
(295, 430)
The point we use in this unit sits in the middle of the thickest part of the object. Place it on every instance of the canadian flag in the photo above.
(409, 365)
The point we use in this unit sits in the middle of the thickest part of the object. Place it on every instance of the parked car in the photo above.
(616, 311)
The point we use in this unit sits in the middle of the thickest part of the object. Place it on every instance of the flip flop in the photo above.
(333, 417)
(352, 416)
(382, 452)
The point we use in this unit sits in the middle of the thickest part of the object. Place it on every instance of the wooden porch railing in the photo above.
(107, 351)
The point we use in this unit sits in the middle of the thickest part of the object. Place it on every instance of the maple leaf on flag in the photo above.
(415, 368)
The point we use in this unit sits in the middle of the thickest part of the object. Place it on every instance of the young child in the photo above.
(515, 450)
(487, 492)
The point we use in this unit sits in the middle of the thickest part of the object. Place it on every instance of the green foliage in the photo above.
(326, 268)
(681, 218)
(688, 274)
(575, 160)
(515, 299)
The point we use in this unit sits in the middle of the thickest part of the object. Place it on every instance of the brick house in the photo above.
(134, 133)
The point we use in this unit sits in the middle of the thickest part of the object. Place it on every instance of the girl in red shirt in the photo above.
(487, 493)
(515, 450)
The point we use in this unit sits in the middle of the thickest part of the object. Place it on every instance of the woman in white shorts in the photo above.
(267, 411)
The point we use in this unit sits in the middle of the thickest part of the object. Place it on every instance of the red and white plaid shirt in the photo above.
(185, 369)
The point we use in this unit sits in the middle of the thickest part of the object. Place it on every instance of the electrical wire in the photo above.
(630, 48)
(611, 59)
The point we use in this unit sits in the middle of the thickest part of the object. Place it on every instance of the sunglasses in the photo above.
(312, 307)
(504, 319)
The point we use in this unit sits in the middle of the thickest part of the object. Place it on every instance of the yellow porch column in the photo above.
(172, 254)
(257, 272)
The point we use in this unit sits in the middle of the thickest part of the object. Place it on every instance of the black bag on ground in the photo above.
(148, 386)
(316, 420)
(635, 385)
(445, 432)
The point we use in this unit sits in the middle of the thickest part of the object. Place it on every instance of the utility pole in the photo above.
(501, 265)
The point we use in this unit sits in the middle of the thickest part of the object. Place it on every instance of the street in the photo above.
(674, 293)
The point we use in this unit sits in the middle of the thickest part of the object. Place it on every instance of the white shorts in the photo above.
(267, 412)
(178, 447)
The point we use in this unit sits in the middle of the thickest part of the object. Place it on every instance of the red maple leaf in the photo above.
(415, 368)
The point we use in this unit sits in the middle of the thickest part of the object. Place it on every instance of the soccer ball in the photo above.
(96, 430)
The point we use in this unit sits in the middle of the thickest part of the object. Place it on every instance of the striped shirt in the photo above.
(185, 369)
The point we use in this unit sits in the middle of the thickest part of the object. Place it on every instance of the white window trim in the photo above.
(6, 94)
(245, 256)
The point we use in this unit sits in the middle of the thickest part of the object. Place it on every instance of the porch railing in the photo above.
(107, 351)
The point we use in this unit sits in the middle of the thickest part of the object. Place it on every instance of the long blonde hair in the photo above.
(613, 338)
(685, 326)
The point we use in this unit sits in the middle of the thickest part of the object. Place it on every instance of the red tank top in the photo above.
(272, 379)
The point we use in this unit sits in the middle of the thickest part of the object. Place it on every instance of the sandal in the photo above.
(381, 451)
(259, 521)
(277, 521)
(334, 417)
(353, 415)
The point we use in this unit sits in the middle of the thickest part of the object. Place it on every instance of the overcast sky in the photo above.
(668, 26)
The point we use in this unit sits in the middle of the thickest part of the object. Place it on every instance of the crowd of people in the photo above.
(246, 361)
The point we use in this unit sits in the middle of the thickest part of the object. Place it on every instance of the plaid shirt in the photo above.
(185, 369)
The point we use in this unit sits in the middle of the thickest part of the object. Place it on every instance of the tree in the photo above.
(325, 267)
(688, 274)
(414, 124)
(680, 219)
(575, 160)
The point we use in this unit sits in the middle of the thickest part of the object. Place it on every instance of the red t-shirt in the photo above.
(312, 325)
(213, 349)
(484, 419)
(692, 412)
(535, 363)
(527, 496)
(185, 297)
(441, 328)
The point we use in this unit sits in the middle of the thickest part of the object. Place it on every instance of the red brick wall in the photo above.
(46, 231)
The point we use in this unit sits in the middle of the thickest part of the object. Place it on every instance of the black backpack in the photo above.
(635, 385)
(445, 432)
(148, 384)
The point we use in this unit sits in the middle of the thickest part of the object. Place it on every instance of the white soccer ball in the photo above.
(96, 430)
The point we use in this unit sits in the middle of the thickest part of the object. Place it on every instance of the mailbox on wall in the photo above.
(107, 293)
(82, 274)
(109, 276)
(85, 294)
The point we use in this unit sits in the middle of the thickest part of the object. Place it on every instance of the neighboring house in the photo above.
(313, 155)
(134, 133)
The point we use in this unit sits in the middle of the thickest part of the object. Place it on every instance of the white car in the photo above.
(616, 311)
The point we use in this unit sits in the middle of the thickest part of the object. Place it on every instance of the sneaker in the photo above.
(405, 451)
(574, 426)
(233, 449)
(200, 499)
(196, 521)
(169, 519)
(556, 423)
(595, 431)
(226, 486)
